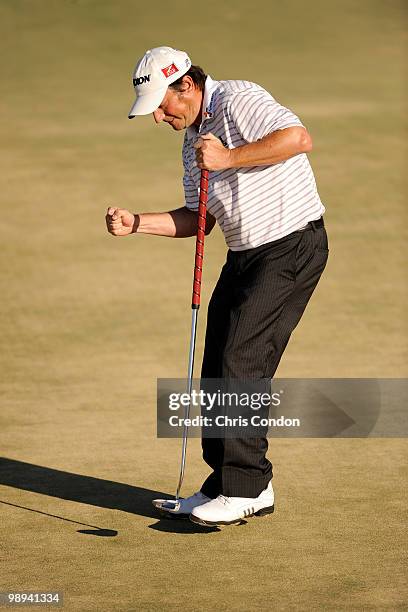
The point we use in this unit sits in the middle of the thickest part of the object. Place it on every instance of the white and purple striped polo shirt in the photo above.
(254, 205)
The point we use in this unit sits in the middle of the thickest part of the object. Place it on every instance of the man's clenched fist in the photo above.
(119, 221)
(211, 153)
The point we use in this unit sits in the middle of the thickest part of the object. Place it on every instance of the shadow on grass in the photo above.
(171, 525)
(91, 491)
(98, 531)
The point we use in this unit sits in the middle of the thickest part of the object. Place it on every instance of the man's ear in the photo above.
(188, 84)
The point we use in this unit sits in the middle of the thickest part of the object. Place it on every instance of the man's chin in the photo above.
(177, 127)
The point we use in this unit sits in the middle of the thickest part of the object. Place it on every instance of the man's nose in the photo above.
(158, 115)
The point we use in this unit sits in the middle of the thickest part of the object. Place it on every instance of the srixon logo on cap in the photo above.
(141, 79)
(169, 70)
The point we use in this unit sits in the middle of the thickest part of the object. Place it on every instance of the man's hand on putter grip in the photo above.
(119, 221)
(211, 153)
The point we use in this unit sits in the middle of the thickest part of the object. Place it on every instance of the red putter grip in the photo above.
(199, 252)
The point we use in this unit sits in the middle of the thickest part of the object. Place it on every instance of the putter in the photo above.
(173, 505)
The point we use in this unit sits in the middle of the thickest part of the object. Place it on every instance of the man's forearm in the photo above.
(179, 223)
(158, 224)
(272, 149)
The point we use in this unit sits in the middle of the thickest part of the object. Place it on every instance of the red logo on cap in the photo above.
(169, 70)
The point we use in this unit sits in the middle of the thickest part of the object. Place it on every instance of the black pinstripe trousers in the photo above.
(258, 301)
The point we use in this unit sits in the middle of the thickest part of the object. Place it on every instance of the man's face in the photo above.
(180, 108)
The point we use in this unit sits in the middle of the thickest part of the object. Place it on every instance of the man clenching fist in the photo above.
(120, 222)
(179, 223)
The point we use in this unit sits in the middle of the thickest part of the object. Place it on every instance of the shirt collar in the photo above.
(208, 106)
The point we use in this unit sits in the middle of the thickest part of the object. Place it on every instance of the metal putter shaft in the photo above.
(195, 305)
(166, 505)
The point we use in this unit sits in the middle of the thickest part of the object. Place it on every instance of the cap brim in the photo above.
(144, 105)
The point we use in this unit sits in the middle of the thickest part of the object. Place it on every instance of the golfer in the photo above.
(262, 193)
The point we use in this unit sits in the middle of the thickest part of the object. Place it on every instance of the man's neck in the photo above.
(199, 117)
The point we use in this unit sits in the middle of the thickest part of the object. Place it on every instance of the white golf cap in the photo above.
(157, 69)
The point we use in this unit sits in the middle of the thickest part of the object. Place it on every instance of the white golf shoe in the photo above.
(232, 510)
(182, 508)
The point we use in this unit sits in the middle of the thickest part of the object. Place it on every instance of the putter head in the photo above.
(167, 505)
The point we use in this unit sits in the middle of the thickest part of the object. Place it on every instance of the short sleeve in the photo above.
(190, 192)
(256, 113)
